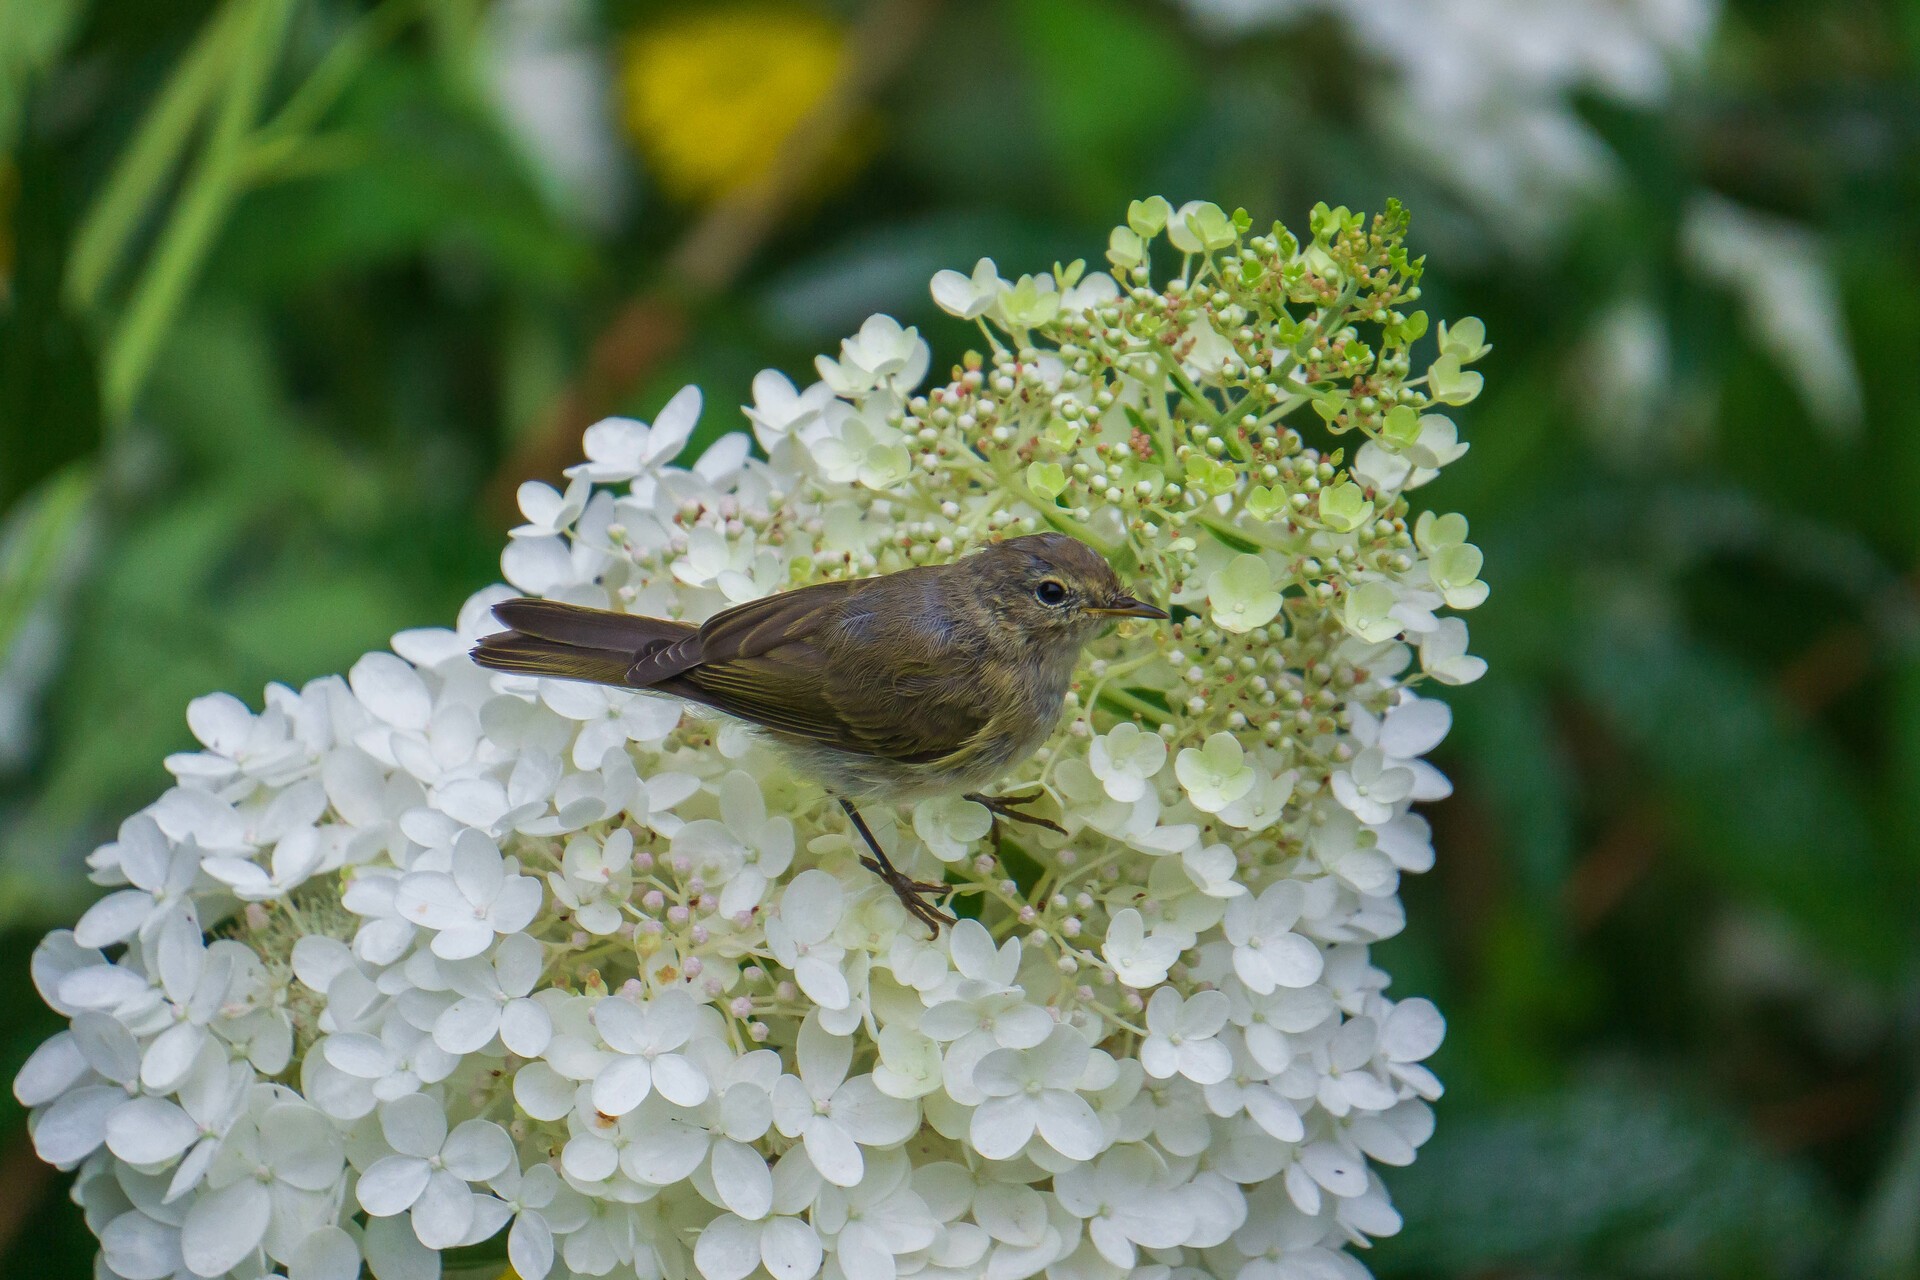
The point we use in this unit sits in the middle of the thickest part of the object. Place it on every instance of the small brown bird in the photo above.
(929, 681)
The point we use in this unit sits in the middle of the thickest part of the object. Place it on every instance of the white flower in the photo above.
(621, 448)
(951, 825)
(162, 874)
(779, 412)
(1180, 1037)
(504, 955)
(1443, 654)
(1266, 952)
(469, 905)
(1125, 758)
(730, 1248)
(876, 1222)
(430, 1169)
(1215, 775)
(595, 879)
(1369, 787)
(1243, 594)
(354, 1070)
(968, 297)
(1031, 1091)
(1139, 959)
(746, 848)
(271, 749)
(881, 355)
(495, 1000)
(801, 937)
(835, 1116)
(272, 1183)
(541, 1206)
(1123, 1200)
(857, 450)
(647, 1036)
(609, 718)
(985, 1005)
(548, 511)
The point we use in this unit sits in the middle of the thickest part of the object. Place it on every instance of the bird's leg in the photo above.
(912, 893)
(1005, 806)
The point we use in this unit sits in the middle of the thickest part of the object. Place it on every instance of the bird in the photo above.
(932, 680)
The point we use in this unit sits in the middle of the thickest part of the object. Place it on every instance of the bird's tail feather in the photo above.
(569, 642)
(531, 656)
(594, 628)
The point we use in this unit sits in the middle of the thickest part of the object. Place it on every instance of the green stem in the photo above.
(152, 156)
(211, 193)
(1132, 703)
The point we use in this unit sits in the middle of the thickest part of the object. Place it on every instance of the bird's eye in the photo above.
(1050, 593)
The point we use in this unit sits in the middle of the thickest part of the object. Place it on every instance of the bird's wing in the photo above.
(834, 665)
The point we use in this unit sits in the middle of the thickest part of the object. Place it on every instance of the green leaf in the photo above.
(201, 212)
(152, 158)
(37, 545)
(1762, 802)
(1609, 1177)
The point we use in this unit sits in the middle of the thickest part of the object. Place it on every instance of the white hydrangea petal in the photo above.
(114, 918)
(542, 1092)
(415, 1125)
(870, 1117)
(149, 1131)
(391, 1184)
(1412, 1031)
(679, 1081)
(326, 1254)
(392, 690)
(623, 1086)
(790, 1249)
(73, 1128)
(394, 1252)
(50, 1070)
(525, 1028)
(467, 1025)
(443, 1214)
(728, 1249)
(477, 1150)
(1002, 1127)
(743, 1179)
(1068, 1124)
(589, 1158)
(222, 1227)
(136, 1247)
(834, 1153)
(529, 1247)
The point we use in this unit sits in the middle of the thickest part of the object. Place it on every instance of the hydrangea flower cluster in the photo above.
(428, 959)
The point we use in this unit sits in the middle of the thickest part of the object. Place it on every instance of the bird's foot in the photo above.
(913, 894)
(1008, 807)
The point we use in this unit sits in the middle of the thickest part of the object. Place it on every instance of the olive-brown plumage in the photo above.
(928, 681)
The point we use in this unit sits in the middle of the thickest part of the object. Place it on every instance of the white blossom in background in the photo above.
(1485, 89)
(427, 958)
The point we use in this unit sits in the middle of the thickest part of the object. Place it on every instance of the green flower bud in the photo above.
(1345, 507)
(1147, 218)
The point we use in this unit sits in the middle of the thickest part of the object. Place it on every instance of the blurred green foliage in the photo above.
(286, 306)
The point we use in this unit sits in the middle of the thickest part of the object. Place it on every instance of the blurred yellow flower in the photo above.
(710, 97)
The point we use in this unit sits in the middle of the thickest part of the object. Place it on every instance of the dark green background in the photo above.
(1673, 920)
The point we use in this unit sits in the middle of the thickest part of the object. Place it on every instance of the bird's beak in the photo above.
(1128, 607)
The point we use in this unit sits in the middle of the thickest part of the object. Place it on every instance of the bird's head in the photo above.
(1051, 586)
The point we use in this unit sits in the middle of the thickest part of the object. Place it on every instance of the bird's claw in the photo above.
(1007, 807)
(913, 894)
